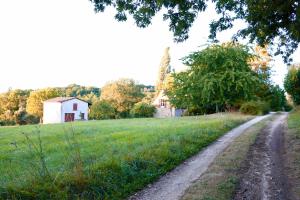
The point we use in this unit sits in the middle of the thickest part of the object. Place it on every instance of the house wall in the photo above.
(162, 112)
(52, 112)
(67, 107)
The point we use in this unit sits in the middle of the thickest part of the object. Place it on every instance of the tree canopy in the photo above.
(164, 69)
(268, 22)
(102, 110)
(292, 83)
(218, 78)
(36, 99)
(122, 94)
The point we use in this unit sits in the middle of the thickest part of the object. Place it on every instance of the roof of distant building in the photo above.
(63, 99)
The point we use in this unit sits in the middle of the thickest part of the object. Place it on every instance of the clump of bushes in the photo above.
(292, 83)
(142, 110)
(102, 110)
(255, 108)
(20, 117)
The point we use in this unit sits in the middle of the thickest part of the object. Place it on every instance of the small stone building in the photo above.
(164, 108)
(65, 109)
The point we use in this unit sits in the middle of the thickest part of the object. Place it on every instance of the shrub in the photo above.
(102, 110)
(255, 108)
(292, 84)
(142, 110)
(288, 107)
(32, 119)
(7, 122)
(23, 118)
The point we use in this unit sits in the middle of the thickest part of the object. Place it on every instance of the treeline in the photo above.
(26, 106)
(20, 107)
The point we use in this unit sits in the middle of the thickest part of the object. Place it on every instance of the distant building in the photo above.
(65, 109)
(164, 108)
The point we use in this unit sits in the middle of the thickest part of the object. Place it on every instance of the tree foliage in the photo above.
(142, 110)
(89, 94)
(12, 103)
(36, 99)
(268, 21)
(218, 78)
(122, 94)
(255, 108)
(164, 69)
(102, 110)
(292, 83)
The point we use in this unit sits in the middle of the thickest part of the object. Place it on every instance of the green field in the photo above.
(107, 159)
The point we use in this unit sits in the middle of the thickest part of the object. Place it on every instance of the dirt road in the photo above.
(173, 185)
(263, 174)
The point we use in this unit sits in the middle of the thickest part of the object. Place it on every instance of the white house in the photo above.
(164, 108)
(65, 109)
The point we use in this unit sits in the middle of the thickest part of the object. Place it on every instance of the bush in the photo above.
(288, 107)
(7, 122)
(142, 110)
(102, 110)
(32, 119)
(292, 84)
(255, 108)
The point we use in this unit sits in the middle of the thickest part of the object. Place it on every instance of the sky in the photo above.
(54, 43)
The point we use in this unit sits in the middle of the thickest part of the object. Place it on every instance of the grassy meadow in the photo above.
(108, 159)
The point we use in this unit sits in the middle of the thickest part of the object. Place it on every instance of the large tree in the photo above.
(12, 103)
(164, 69)
(122, 94)
(267, 20)
(219, 77)
(36, 99)
(102, 110)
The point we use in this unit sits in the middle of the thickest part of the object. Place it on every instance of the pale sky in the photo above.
(47, 43)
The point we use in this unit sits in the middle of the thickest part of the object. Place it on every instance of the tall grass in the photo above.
(100, 159)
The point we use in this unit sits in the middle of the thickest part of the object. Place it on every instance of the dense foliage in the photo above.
(218, 78)
(12, 106)
(26, 106)
(102, 110)
(292, 83)
(122, 94)
(89, 94)
(164, 69)
(36, 99)
(268, 22)
(142, 110)
(255, 108)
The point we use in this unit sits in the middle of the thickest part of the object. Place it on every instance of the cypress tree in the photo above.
(164, 69)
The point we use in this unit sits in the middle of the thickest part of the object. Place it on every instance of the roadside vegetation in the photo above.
(293, 151)
(220, 180)
(108, 159)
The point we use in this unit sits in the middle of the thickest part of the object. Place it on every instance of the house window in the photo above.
(75, 106)
(162, 102)
(82, 116)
